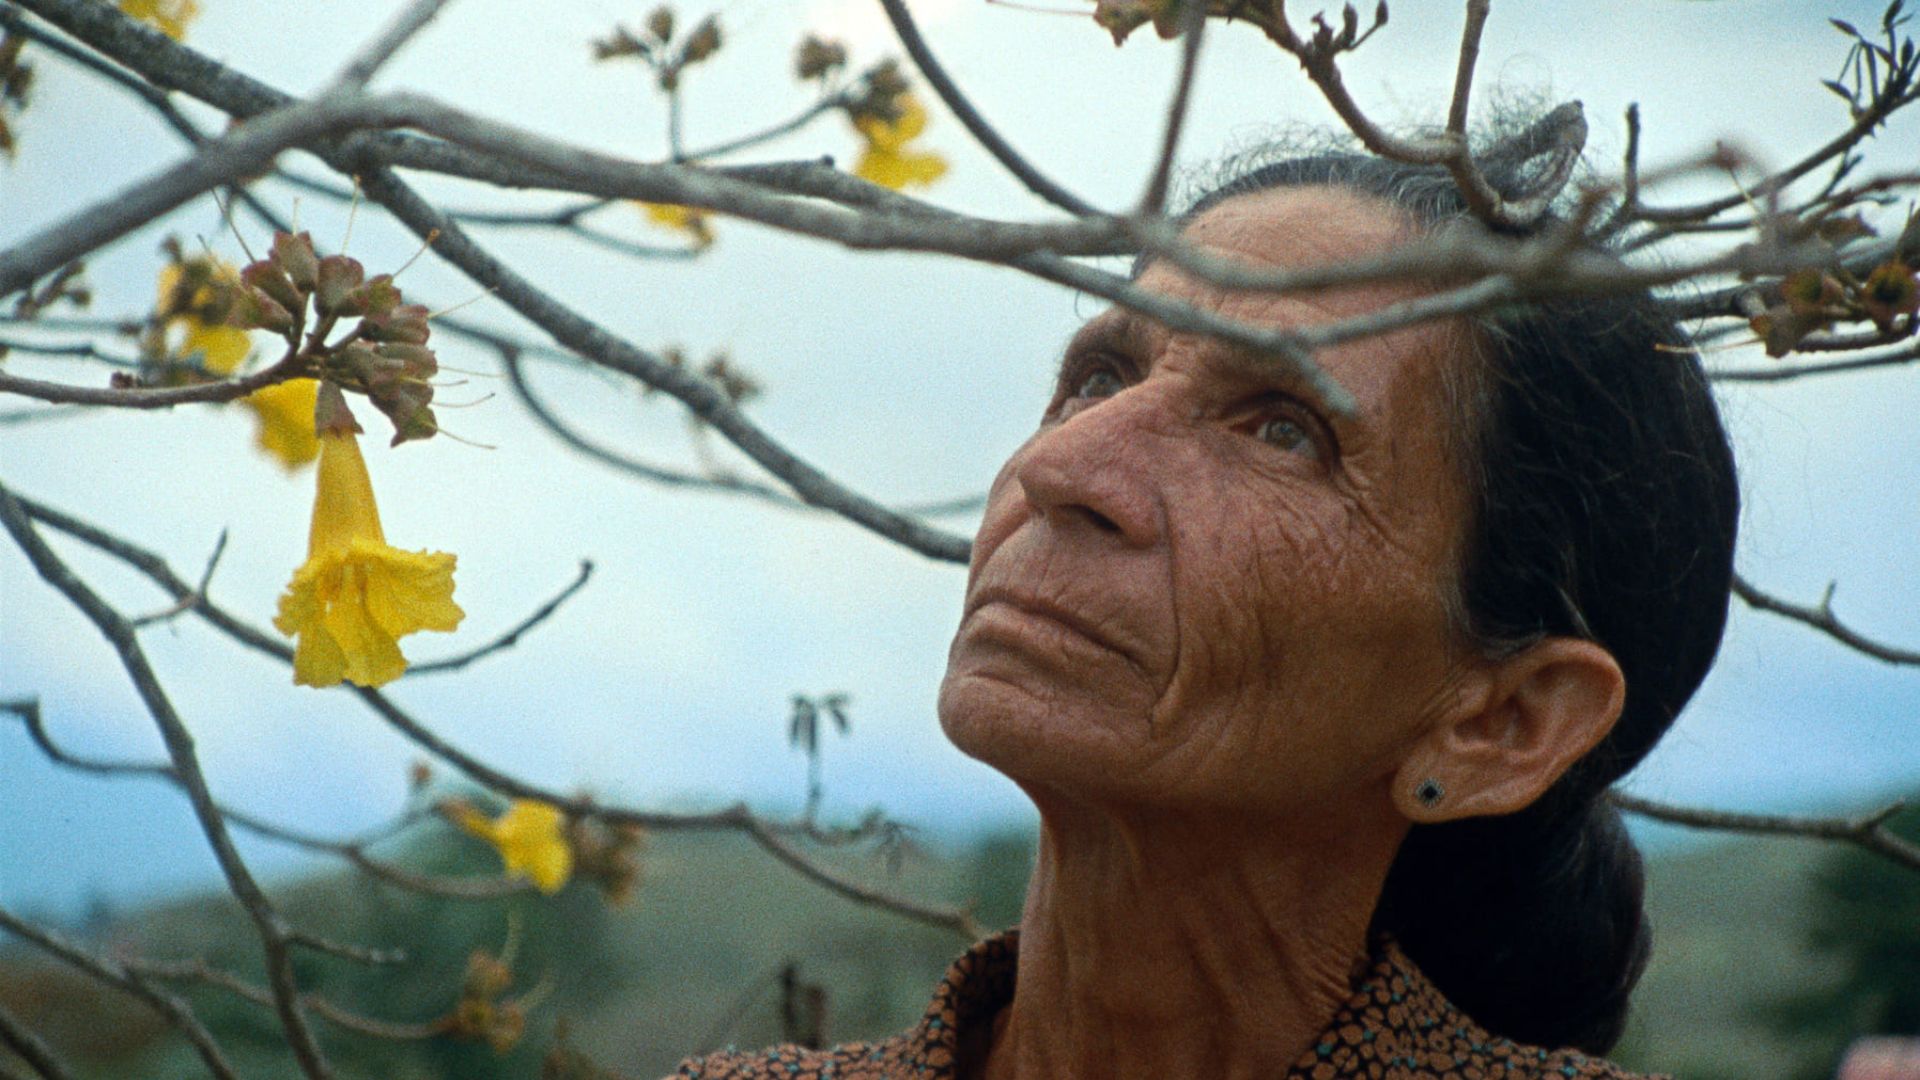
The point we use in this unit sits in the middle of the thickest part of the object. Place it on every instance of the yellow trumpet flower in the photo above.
(355, 595)
(530, 837)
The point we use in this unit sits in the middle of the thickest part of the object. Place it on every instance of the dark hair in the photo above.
(1604, 505)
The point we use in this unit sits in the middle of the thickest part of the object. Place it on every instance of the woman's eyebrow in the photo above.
(1116, 328)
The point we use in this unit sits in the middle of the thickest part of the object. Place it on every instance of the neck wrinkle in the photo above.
(1158, 944)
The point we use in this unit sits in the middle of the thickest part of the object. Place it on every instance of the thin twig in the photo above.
(983, 133)
(28, 710)
(198, 970)
(375, 54)
(1868, 831)
(1784, 372)
(737, 818)
(30, 1048)
(511, 637)
(1463, 69)
(1821, 617)
(83, 349)
(171, 1008)
(186, 603)
(155, 398)
(186, 766)
(1193, 25)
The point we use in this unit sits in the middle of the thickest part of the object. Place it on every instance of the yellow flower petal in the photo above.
(899, 170)
(285, 413)
(683, 219)
(355, 596)
(221, 348)
(892, 135)
(170, 17)
(531, 839)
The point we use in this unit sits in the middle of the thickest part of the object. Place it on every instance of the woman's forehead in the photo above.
(1301, 226)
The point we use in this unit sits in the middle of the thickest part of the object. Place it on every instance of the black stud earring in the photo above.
(1430, 793)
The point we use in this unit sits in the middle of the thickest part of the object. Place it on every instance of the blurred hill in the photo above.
(694, 963)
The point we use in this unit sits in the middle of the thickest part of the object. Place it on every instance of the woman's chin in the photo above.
(1038, 734)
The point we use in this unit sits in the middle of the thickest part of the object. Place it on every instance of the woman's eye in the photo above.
(1099, 383)
(1284, 433)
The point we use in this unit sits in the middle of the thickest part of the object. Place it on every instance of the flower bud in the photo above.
(255, 310)
(273, 281)
(378, 296)
(660, 23)
(1889, 291)
(413, 426)
(406, 323)
(703, 42)
(817, 58)
(1810, 292)
(416, 361)
(337, 276)
(293, 252)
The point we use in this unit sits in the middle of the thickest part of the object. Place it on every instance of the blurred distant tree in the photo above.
(1815, 262)
(1866, 914)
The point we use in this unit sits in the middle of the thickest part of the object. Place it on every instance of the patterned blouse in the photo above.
(1397, 1026)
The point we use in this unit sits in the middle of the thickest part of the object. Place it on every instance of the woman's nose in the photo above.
(1094, 472)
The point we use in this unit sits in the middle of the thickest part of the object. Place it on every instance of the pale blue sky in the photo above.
(907, 377)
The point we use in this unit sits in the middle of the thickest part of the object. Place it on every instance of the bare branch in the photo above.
(241, 151)
(171, 1009)
(1463, 70)
(983, 133)
(374, 56)
(516, 377)
(1821, 618)
(83, 349)
(1773, 185)
(18, 1038)
(584, 337)
(1783, 372)
(155, 398)
(186, 603)
(1193, 25)
(28, 710)
(511, 637)
(1868, 831)
(737, 818)
(959, 920)
(197, 970)
(186, 768)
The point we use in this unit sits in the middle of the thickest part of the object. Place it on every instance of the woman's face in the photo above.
(1193, 588)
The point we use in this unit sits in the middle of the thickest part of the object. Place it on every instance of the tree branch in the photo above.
(1193, 25)
(1867, 831)
(736, 818)
(1821, 618)
(983, 133)
(186, 766)
(18, 1038)
(174, 1011)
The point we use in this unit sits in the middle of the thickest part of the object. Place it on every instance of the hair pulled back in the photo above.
(1603, 505)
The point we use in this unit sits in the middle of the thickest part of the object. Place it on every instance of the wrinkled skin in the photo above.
(1264, 582)
(1206, 630)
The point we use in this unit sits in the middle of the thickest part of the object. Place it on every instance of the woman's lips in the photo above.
(1051, 618)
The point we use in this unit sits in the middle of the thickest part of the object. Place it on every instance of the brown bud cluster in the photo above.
(607, 855)
(879, 93)
(16, 81)
(482, 1014)
(817, 58)
(385, 356)
(655, 46)
(1813, 300)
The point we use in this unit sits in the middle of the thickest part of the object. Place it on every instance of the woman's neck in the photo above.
(1170, 946)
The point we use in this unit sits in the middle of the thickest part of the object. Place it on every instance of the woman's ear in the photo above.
(1541, 710)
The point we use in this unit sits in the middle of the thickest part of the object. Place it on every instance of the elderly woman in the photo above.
(1318, 711)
